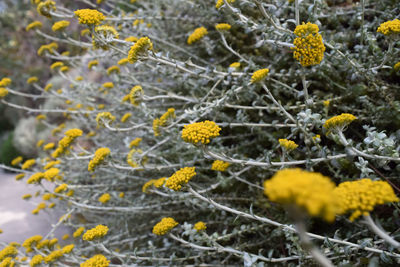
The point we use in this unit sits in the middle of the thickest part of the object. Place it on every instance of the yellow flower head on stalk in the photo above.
(288, 145)
(126, 117)
(310, 191)
(104, 198)
(104, 37)
(93, 63)
(8, 251)
(389, 27)
(26, 196)
(66, 141)
(221, 2)
(196, 35)
(200, 132)
(20, 176)
(28, 164)
(60, 25)
(78, 232)
(85, 32)
(3, 92)
(154, 182)
(7, 262)
(89, 17)
(16, 161)
(361, 196)
(135, 142)
(135, 94)
(113, 69)
(308, 46)
(44, 8)
(61, 188)
(53, 256)
(5, 82)
(180, 178)
(170, 114)
(35, 178)
(133, 157)
(36, 260)
(31, 242)
(338, 123)
(34, 25)
(259, 75)
(147, 185)
(99, 157)
(56, 65)
(68, 248)
(95, 233)
(51, 164)
(98, 260)
(223, 27)
(123, 61)
(164, 226)
(219, 165)
(200, 226)
(131, 39)
(51, 174)
(104, 117)
(139, 48)
(108, 85)
(48, 146)
(235, 65)
(32, 79)
(396, 66)
(49, 48)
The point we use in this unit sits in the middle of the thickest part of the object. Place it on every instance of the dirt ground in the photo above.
(16, 219)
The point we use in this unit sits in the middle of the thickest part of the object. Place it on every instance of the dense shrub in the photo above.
(217, 132)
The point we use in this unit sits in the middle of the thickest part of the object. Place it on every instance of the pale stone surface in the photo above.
(16, 219)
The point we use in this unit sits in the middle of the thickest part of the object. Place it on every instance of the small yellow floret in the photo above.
(78, 232)
(287, 144)
(99, 157)
(389, 27)
(89, 16)
(28, 164)
(197, 34)
(96, 261)
(235, 65)
(93, 63)
(104, 198)
(219, 165)
(180, 178)
(104, 117)
(223, 27)
(164, 226)
(338, 123)
(221, 2)
(126, 117)
(60, 25)
(16, 161)
(32, 79)
(34, 25)
(259, 75)
(97, 232)
(139, 48)
(200, 226)
(200, 132)
(135, 142)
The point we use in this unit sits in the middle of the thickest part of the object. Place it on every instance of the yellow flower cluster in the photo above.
(61, 188)
(134, 95)
(49, 48)
(16, 161)
(221, 2)
(89, 16)
(223, 27)
(154, 182)
(135, 142)
(104, 198)
(132, 161)
(78, 232)
(140, 47)
(35, 178)
(180, 178)
(32, 79)
(53, 256)
(28, 164)
(107, 31)
(219, 165)
(104, 36)
(126, 117)
(310, 191)
(235, 65)
(51, 164)
(19, 176)
(200, 132)
(98, 158)
(60, 25)
(113, 69)
(163, 120)
(196, 35)
(164, 226)
(34, 25)
(361, 196)
(93, 63)
(31, 241)
(396, 66)
(56, 65)
(5, 82)
(3, 92)
(287, 144)
(7, 252)
(36, 260)
(66, 141)
(338, 123)
(103, 117)
(259, 75)
(390, 27)
(68, 249)
(200, 226)
(48, 146)
(131, 39)
(123, 61)
(50, 174)
(98, 260)
(44, 8)
(97, 232)
(309, 48)
(7, 262)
